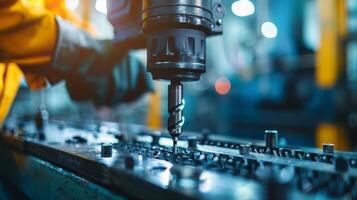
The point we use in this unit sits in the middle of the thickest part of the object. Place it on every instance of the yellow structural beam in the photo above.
(154, 120)
(10, 80)
(333, 27)
(330, 63)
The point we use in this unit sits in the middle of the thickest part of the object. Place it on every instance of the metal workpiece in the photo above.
(186, 172)
(216, 169)
(185, 177)
(271, 138)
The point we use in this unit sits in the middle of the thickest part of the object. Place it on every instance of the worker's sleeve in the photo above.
(27, 32)
(101, 71)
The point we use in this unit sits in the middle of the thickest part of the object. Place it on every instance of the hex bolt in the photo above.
(328, 148)
(106, 150)
(244, 149)
(271, 138)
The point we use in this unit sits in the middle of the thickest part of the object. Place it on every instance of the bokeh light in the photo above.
(243, 8)
(269, 30)
(222, 86)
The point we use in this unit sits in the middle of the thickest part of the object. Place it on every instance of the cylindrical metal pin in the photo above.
(106, 150)
(328, 148)
(271, 138)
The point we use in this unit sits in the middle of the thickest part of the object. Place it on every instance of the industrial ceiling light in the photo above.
(243, 8)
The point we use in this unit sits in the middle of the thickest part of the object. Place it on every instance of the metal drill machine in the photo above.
(175, 32)
(84, 159)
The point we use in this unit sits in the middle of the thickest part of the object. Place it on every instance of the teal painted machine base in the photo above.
(39, 180)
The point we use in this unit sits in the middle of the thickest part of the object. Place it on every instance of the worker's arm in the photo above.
(48, 45)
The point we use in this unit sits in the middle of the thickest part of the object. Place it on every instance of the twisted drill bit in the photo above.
(175, 107)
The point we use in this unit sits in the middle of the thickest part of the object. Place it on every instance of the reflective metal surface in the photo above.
(143, 167)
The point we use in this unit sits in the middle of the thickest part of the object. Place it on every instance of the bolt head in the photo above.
(106, 150)
(192, 142)
(328, 148)
(271, 138)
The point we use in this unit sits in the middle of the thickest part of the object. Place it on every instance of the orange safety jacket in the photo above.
(28, 33)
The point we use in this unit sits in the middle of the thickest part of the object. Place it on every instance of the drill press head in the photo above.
(175, 33)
